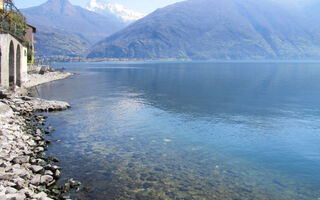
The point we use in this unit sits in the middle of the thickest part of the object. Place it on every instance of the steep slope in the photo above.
(68, 23)
(214, 29)
(59, 44)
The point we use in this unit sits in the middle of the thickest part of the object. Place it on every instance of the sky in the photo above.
(143, 6)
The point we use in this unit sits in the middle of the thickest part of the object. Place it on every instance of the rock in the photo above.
(38, 138)
(41, 162)
(33, 160)
(46, 179)
(6, 176)
(45, 69)
(54, 159)
(36, 180)
(57, 174)
(55, 167)
(38, 149)
(31, 143)
(73, 183)
(40, 195)
(38, 132)
(20, 183)
(21, 172)
(16, 196)
(5, 111)
(10, 190)
(48, 172)
(4, 164)
(27, 192)
(21, 159)
(36, 168)
(66, 187)
(45, 198)
(66, 196)
(41, 105)
(22, 147)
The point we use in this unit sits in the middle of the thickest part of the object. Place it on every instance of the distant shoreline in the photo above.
(99, 60)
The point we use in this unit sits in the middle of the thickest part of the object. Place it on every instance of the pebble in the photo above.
(25, 172)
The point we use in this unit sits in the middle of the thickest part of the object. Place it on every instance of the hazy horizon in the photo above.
(143, 6)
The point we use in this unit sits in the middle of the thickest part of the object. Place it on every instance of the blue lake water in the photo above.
(198, 130)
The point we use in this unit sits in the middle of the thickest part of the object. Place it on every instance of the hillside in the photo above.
(214, 29)
(73, 28)
(55, 44)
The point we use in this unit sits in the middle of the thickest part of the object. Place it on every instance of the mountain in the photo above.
(116, 11)
(215, 29)
(59, 44)
(68, 23)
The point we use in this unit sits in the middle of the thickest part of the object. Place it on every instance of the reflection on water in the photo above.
(190, 130)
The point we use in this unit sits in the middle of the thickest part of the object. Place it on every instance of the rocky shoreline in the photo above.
(25, 170)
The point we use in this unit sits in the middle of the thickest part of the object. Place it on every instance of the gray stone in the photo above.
(21, 159)
(46, 179)
(20, 183)
(38, 132)
(36, 168)
(27, 192)
(11, 190)
(48, 172)
(16, 196)
(36, 180)
(39, 149)
(40, 195)
(21, 173)
(6, 176)
(57, 174)
(45, 198)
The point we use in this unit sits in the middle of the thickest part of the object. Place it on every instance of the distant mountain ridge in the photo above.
(114, 10)
(72, 29)
(215, 29)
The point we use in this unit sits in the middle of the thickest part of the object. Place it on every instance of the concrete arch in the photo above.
(18, 66)
(13, 70)
(11, 65)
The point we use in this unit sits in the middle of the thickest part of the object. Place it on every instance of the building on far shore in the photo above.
(16, 46)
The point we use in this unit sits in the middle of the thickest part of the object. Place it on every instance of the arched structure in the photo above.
(18, 66)
(11, 65)
(13, 61)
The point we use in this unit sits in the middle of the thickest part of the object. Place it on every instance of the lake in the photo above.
(189, 130)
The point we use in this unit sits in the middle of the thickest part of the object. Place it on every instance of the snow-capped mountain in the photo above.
(112, 9)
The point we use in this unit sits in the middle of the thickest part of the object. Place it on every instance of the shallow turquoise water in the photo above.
(201, 130)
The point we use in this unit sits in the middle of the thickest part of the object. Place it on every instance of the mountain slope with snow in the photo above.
(65, 29)
(117, 11)
(215, 29)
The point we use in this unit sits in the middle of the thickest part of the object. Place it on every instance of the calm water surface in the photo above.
(190, 130)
